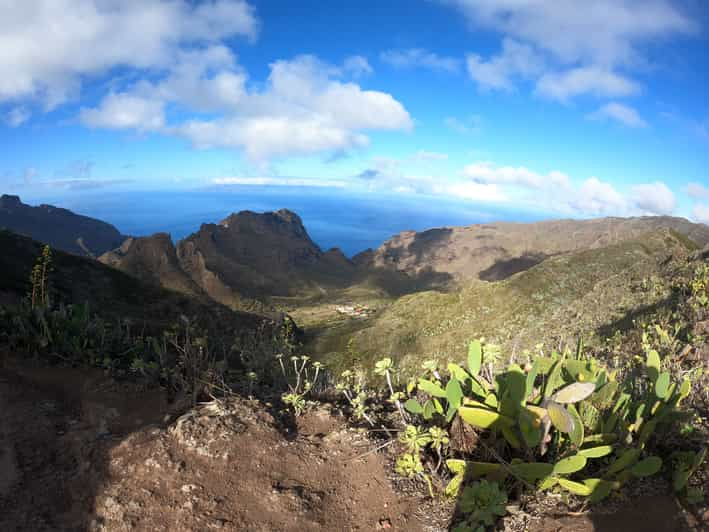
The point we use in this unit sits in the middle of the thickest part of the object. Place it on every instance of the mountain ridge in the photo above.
(58, 227)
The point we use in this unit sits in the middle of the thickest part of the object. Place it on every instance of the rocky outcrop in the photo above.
(259, 255)
(152, 259)
(60, 228)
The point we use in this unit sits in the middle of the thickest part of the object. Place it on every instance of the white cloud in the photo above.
(654, 198)
(487, 173)
(603, 32)
(420, 58)
(585, 45)
(17, 116)
(47, 48)
(598, 198)
(499, 72)
(125, 111)
(594, 80)
(279, 181)
(701, 213)
(305, 106)
(619, 112)
(698, 191)
(358, 66)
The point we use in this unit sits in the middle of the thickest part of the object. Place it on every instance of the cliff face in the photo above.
(257, 255)
(60, 228)
(152, 259)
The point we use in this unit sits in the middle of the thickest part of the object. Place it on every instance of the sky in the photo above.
(565, 107)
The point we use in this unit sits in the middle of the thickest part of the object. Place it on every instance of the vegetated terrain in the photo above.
(554, 303)
(155, 410)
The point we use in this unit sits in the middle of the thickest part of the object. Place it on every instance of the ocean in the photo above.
(332, 218)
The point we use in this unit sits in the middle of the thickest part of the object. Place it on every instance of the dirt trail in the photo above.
(80, 452)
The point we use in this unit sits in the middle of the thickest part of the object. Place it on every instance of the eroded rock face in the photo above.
(257, 255)
(152, 259)
(60, 228)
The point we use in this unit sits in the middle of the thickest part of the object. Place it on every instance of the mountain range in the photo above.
(427, 292)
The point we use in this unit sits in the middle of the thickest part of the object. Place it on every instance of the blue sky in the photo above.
(567, 107)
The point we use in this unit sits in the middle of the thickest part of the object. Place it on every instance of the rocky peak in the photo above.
(9, 201)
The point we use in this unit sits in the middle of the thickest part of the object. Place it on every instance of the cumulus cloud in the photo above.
(654, 198)
(488, 173)
(48, 48)
(125, 111)
(306, 106)
(517, 60)
(698, 191)
(598, 198)
(585, 44)
(624, 114)
(420, 58)
(594, 80)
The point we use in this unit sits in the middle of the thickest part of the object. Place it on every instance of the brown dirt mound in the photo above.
(79, 452)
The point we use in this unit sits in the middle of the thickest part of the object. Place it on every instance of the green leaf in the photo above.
(475, 357)
(480, 469)
(596, 452)
(569, 465)
(484, 419)
(684, 389)
(575, 487)
(662, 385)
(647, 467)
(457, 372)
(531, 377)
(555, 379)
(477, 388)
(428, 410)
(575, 392)
(413, 406)
(626, 459)
(605, 438)
(454, 393)
(576, 435)
(548, 483)
(431, 388)
(560, 417)
(532, 471)
(653, 365)
(511, 437)
(530, 427)
(456, 466)
(600, 489)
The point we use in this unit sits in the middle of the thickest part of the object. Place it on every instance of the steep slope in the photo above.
(555, 301)
(60, 228)
(495, 251)
(260, 255)
(152, 259)
(109, 292)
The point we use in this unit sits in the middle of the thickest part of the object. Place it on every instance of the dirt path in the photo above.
(79, 452)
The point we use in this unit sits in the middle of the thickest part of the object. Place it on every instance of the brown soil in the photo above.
(81, 452)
